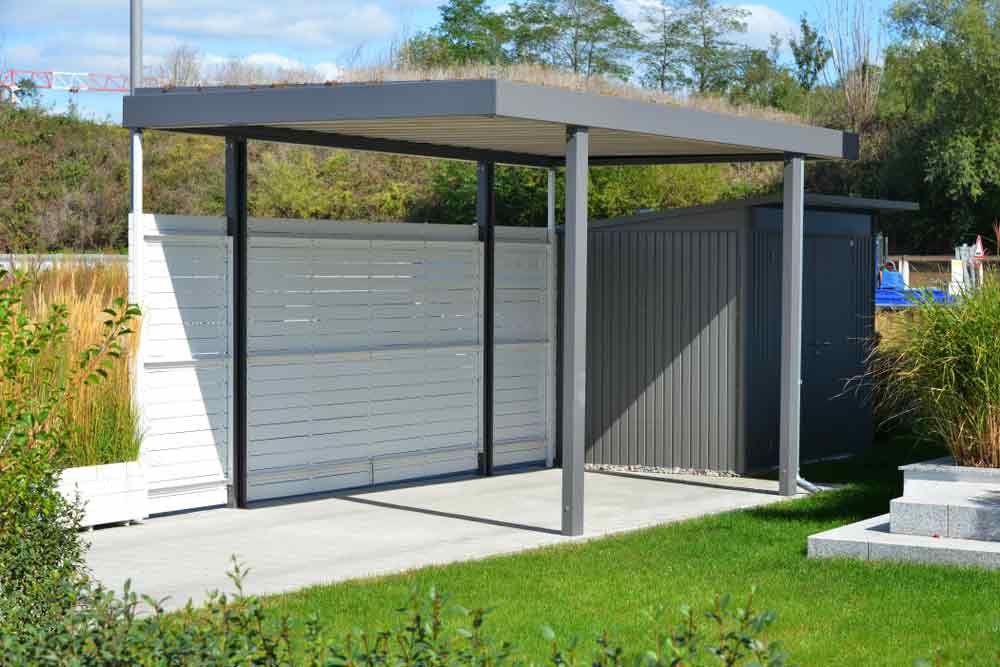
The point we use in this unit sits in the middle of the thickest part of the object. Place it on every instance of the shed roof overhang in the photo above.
(479, 120)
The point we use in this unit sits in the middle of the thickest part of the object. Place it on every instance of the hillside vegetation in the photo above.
(64, 184)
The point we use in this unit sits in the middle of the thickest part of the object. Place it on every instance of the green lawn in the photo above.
(830, 612)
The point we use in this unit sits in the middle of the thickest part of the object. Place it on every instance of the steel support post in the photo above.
(791, 322)
(575, 336)
(236, 225)
(486, 220)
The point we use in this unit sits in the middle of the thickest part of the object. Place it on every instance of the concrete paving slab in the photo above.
(871, 540)
(295, 544)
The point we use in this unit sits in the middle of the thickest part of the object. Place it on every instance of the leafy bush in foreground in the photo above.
(105, 629)
(940, 373)
(41, 556)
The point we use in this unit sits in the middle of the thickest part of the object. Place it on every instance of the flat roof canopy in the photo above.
(479, 120)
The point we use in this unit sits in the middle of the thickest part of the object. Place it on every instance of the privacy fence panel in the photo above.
(524, 398)
(364, 354)
(181, 275)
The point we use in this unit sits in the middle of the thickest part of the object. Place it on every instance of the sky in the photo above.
(325, 35)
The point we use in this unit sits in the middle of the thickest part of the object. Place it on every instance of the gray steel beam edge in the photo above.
(302, 104)
(793, 216)
(521, 100)
(575, 337)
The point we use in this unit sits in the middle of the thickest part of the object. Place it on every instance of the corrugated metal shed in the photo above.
(684, 334)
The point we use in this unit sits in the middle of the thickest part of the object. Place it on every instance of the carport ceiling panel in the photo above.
(517, 136)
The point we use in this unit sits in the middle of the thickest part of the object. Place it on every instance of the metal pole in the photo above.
(236, 224)
(550, 385)
(136, 239)
(486, 220)
(791, 324)
(575, 336)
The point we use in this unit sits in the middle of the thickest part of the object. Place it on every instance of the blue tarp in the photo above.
(903, 298)
(892, 280)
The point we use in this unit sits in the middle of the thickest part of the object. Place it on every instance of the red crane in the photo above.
(73, 82)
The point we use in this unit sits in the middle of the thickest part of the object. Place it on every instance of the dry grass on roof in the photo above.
(557, 78)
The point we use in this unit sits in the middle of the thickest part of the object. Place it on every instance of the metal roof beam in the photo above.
(395, 146)
(636, 160)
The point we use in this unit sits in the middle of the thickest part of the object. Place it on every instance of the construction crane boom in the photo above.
(74, 82)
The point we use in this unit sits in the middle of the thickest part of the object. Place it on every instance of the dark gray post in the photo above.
(575, 337)
(486, 220)
(791, 322)
(236, 224)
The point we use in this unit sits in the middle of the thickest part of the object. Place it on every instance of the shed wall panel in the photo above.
(664, 347)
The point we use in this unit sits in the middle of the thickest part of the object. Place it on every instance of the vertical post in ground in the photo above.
(550, 385)
(486, 220)
(136, 238)
(236, 228)
(575, 337)
(792, 232)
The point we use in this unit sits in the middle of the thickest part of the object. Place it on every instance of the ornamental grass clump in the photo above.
(939, 372)
(106, 423)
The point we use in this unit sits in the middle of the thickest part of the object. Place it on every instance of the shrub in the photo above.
(105, 629)
(40, 553)
(940, 372)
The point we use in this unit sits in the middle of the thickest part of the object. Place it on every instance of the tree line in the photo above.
(681, 45)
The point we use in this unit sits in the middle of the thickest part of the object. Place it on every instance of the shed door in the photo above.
(364, 361)
(830, 345)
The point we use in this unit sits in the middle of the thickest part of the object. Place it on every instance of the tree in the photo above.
(945, 62)
(763, 80)
(181, 67)
(28, 92)
(588, 37)
(855, 39)
(811, 54)
(469, 32)
(662, 67)
(534, 31)
(711, 59)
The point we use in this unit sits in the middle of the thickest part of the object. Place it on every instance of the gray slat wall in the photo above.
(664, 342)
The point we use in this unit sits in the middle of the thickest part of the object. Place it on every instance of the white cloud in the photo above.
(328, 71)
(762, 22)
(275, 60)
(295, 25)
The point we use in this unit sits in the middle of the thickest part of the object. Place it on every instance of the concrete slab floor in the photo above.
(372, 532)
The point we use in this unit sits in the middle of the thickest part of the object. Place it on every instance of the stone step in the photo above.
(976, 518)
(871, 540)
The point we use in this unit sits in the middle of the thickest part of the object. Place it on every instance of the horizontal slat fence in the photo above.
(364, 345)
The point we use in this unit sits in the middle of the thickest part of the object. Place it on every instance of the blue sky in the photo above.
(92, 35)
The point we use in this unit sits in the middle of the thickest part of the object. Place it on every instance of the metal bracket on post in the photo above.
(575, 333)
(792, 234)
(486, 220)
(236, 225)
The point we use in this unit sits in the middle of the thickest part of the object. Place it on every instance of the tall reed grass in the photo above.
(937, 368)
(106, 424)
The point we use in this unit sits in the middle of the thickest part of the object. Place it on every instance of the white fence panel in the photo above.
(183, 379)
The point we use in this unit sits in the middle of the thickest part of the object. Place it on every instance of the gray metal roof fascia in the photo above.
(557, 105)
(223, 107)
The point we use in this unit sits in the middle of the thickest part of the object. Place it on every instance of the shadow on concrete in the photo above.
(449, 515)
(685, 482)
